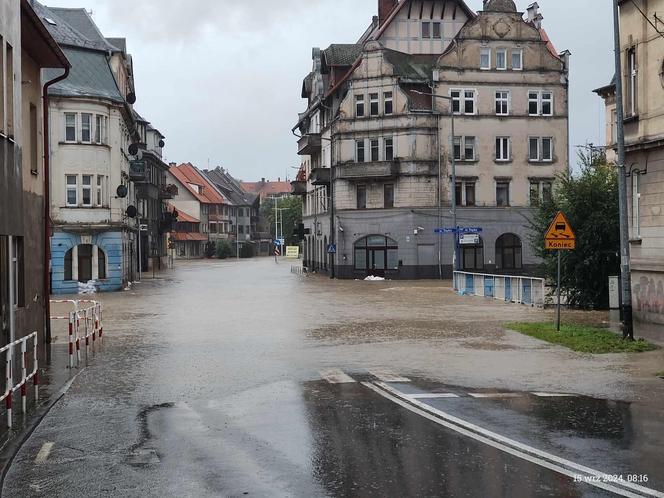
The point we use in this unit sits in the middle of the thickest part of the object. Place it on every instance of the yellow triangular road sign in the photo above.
(560, 234)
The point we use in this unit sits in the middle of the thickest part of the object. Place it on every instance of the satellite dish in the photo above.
(122, 191)
(132, 211)
(162, 143)
(133, 149)
(131, 98)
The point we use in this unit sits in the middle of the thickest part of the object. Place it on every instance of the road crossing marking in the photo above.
(432, 395)
(388, 375)
(554, 395)
(520, 450)
(336, 376)
(495, 395)
(44, 452)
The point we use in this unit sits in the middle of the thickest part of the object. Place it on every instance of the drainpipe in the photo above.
(47, 208)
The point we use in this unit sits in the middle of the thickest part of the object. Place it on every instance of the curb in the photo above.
(11, 448)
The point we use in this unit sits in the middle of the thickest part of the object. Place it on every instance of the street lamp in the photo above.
(440, 200)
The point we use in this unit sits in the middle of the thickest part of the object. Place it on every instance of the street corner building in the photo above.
(26, 48)
(379, 156)
(643, 99)
(107, 177)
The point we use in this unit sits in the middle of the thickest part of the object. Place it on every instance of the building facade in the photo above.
(26, 48)
(93, 202)
(376, 141)
(642, 47)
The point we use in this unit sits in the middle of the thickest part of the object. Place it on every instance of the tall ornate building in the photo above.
(377, 145)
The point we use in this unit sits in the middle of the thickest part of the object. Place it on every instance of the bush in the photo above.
(223, 249)
(246, 251)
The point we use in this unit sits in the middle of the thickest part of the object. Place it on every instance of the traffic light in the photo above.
(300, 231)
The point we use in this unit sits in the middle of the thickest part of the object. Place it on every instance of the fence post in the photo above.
(35, 361)
(10, 386)
(71, 339)
(24, 387)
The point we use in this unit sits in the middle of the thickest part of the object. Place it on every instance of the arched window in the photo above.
(101, 263)
(375, 254)
(82, 270)
(472, 256)
(509, 252)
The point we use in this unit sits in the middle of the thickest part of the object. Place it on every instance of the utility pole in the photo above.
(625, 271)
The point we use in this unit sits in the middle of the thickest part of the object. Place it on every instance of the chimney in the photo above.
(172, 165)
(262, 180)
(534, 16)
(278, 179)
(385, 8)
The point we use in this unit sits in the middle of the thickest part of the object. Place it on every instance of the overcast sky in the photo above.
(222, 79)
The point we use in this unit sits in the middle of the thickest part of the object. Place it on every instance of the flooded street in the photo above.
(242, 379)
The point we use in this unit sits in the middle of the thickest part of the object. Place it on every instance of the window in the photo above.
(99, 119)
(540, 103)
(18, 267)
(9, 89)
(100, 190)
(389, 149)
(517, 60)
(101, 263)
(502, 103)
(359, 151)
(503, 149)
(388, 195)
(540, 190)
(436, 30)
(387, 103)
(457, 148)
(463, 101)
(86, 190)
(361, 197)
(72, 190)
(631, 82)
(540, 149)
(374, 150)
(502, 193)
(34, 137)
(469, 148)
(240, 229)
(636, 205)
(485, 58)
(472, 256)
(614, 126)
(465, 193)
(359, 106)
(373, 104)
(70, 127)
(86, 128)
(426, 30)
(509, 252)
(501, 59)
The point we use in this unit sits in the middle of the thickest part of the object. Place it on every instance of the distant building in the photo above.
(376, 147)
(268, 188)
(26, 48)
(93, 203)
(643, 96)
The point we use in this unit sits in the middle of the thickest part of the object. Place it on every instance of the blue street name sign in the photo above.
(459, 229)
(444, 230)
(277, 242)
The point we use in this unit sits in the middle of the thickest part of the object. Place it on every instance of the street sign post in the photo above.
(559, 237)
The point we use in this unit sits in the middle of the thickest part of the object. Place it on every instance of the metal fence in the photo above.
(299, 270)
(13, 353)
(516, 289)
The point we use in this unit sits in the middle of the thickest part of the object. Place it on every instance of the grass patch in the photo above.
(660, 374)
(582, 338)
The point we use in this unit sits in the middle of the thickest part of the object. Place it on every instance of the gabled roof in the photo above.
(188, 175)
(63, 32)
(403, 3)
(89, 76)
(37, 41)
(265, 189)
(184, 217)
(230, 187)
(549, 43)
(80, 20)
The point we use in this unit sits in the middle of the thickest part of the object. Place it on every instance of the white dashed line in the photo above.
(388, 375)
(553, 395)
(44, 452)
(495, 395)
(336, 376)
(432, 395)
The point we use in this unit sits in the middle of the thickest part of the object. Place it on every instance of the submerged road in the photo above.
(241, 379)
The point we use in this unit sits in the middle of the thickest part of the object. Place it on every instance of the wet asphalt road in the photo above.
(240, 379)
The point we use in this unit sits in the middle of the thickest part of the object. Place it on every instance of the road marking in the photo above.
(336, 376)
(432, 395)
(554, 395)
(388, 375)
(495, 395)
(511, 446)
(43, 453)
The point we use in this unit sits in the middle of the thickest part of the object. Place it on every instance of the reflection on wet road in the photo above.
(242, 380)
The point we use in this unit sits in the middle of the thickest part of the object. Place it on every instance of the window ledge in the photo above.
(503, 161)
(636, 242)
(469, 162)
(85, 144)
(631, 119)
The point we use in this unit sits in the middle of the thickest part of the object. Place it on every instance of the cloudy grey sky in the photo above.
(222, 78)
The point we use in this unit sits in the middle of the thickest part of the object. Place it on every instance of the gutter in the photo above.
(47, 206)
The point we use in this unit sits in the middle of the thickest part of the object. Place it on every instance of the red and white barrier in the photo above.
(91, 316)
(10, 350)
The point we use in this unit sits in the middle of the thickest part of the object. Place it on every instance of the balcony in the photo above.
(320, 176)
(299, 188)
(309, 144)
(360, 171)
(137, 170)
(168, 191)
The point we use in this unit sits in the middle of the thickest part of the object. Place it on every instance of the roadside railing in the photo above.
(299, 270)
(91, 314)
(10, 351)
(516, 289)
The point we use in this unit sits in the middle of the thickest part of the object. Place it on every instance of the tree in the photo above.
(223, 249)
(590, 201)
(292, 215)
